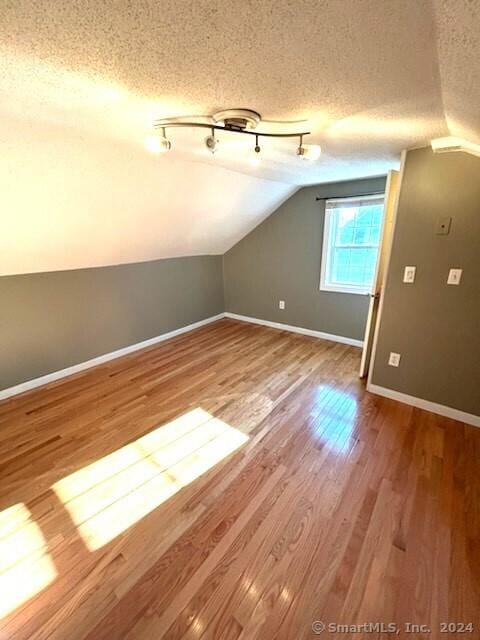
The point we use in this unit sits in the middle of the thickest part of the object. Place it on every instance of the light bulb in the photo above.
(309, 151)
(157, 144)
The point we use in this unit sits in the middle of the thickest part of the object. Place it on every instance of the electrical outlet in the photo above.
(409, 274)
(281, 304)
(454, 276)
(394, 359)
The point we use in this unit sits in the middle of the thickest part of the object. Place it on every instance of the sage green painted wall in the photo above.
(434, 326)
(50, 321)
(280, 260)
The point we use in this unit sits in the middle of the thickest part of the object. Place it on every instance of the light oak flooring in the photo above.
(236, 482)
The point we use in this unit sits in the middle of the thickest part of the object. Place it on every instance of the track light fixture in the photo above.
(232, 121)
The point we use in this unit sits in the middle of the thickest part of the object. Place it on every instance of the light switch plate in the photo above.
(409, 274)
(454, 276)
(394, 359)
(281, 304)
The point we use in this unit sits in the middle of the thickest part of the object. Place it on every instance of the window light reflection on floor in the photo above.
(337, 417)
(107, 497)
(25, 566)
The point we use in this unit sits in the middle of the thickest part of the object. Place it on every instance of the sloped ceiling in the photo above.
(458, 29)
(82, 81)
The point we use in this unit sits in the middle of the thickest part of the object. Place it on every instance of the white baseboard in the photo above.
(294, 329)
(63, 373)
(442, 410)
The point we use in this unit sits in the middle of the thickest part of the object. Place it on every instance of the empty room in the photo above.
(239, 319)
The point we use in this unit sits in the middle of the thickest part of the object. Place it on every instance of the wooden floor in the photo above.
(235, 482)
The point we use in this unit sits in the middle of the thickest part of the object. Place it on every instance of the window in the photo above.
(351, 238)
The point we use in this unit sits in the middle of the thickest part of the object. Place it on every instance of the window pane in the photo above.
(358, 257)
(340, 265)
(361, 235)
(364, 216)
(356, 275)
(346, 234)
(355, 266)
(377, 215)
(374, 235)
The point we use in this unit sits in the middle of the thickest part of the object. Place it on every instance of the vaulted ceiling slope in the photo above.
(82, 81)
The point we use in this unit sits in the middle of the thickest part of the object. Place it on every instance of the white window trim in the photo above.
(327, 237)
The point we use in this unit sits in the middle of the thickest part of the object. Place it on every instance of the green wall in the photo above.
(434, 326)
(50, 321)
(280, 260)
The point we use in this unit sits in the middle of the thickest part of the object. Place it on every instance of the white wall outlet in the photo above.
(409, 274)
(394, 359)
(454, 276)
(281, 304)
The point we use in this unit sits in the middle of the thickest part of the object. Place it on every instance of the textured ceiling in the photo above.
(458, 29)
(81, 82)
(68, 202)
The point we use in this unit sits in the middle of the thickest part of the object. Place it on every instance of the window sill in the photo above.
(340, 289)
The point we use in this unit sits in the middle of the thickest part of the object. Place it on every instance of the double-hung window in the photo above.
(351, 240)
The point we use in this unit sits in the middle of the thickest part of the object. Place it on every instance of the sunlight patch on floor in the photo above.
(25, 566)
(107, 497)
(336, 417)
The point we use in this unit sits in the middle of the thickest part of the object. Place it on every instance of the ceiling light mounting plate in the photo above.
(237, 119)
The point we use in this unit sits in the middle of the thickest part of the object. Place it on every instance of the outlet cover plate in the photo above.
(409, 274)
(454, 276)
(394, 359)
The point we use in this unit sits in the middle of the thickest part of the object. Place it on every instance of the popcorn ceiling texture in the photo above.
(458, 28)
(82, 80)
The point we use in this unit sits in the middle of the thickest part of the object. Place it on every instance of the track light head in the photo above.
(211, 142)
(309, 151)
(158, 144)
(255, 157)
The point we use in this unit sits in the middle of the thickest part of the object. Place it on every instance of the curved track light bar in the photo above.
(231, 121)
(217, 127)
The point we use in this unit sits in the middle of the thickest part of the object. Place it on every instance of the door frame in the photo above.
(386, 233)
(387, 269)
